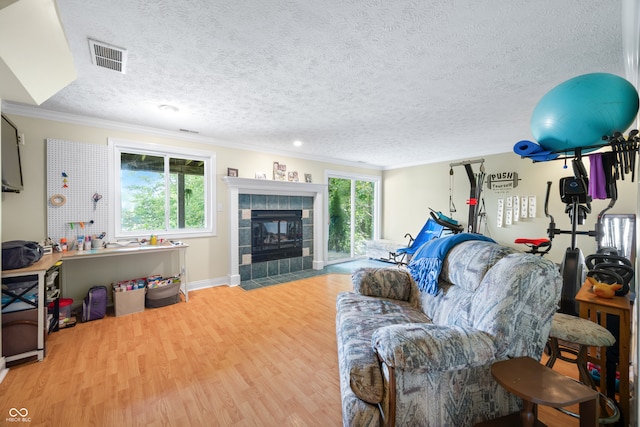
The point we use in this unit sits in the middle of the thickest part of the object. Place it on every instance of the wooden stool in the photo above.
(584, 334)
(536, 385)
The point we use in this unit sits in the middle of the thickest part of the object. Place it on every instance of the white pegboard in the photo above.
(85, 167)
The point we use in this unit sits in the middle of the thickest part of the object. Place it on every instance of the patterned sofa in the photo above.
(412, 358)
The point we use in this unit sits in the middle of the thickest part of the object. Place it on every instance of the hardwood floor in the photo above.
(229, 357)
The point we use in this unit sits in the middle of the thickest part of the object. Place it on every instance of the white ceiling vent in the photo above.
(107, 56)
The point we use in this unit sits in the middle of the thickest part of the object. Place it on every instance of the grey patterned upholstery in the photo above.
(580, 331)
(416, 359)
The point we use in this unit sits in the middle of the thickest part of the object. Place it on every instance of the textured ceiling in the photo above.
(387, 83)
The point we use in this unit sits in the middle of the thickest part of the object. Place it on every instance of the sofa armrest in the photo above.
(389, 282)
(432, 348)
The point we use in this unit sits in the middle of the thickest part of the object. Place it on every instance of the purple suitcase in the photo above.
(94, 306)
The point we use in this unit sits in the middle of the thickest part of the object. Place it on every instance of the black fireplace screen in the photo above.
(275, 234)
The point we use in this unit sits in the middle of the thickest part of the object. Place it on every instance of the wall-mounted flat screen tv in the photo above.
(11, 166)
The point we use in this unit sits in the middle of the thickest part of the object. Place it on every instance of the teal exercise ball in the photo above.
(580, 111)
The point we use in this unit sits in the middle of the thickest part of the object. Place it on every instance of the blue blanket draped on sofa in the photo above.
(427, 262)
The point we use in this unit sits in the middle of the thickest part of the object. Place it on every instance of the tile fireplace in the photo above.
(256, 198)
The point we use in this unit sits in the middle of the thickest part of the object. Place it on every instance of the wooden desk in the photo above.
(133, 249)
(538, 385)
(590, 307)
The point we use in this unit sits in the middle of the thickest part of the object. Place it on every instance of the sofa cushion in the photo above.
(431, 348)
(382, 282)
(467, 263)
(451, 306)
(358, 317)
(520, 295)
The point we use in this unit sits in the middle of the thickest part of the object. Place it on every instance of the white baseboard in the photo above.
(208, 283)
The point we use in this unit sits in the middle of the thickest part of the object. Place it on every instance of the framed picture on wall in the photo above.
(261, 175)
(279, 171)
(232, 172)
(308, 178)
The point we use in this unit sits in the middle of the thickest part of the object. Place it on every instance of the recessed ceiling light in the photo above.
(169, 108)
(297, 143)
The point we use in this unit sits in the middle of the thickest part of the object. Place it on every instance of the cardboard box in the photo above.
(127, 302)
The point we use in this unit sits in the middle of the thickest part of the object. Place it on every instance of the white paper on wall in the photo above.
(532, 206)
(516, 208)
(500, 212)
(524, 209)
(508, 212)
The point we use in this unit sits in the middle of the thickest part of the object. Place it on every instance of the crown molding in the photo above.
(42, 113)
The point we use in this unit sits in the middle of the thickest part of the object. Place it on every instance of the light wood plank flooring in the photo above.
(228, 357)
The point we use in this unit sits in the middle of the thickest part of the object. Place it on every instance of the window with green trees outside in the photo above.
(161, 192)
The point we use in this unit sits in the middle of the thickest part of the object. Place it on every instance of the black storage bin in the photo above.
(162, 296)
(19, 332)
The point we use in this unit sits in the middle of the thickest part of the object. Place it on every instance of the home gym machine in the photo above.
(475, 202)
(574, 194)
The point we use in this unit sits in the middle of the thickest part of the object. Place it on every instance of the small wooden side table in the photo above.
(590, 306)
(538, 385)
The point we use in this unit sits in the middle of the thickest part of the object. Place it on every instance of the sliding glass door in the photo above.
(353, 207)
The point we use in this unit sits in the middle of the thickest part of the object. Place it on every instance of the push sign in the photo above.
(502, 181)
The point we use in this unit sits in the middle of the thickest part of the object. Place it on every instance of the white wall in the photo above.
(409, 193)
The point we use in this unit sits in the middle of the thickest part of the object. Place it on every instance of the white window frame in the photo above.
(118, 146)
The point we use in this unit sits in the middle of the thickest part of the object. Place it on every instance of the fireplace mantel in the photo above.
(237, 186)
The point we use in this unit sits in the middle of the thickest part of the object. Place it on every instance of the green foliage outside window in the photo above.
(340, 214)
(364, 214)
(193, 202)
(143, 194)
(338, 224)
(143, 201)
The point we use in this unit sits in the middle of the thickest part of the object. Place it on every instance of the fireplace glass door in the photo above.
(275, 234)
